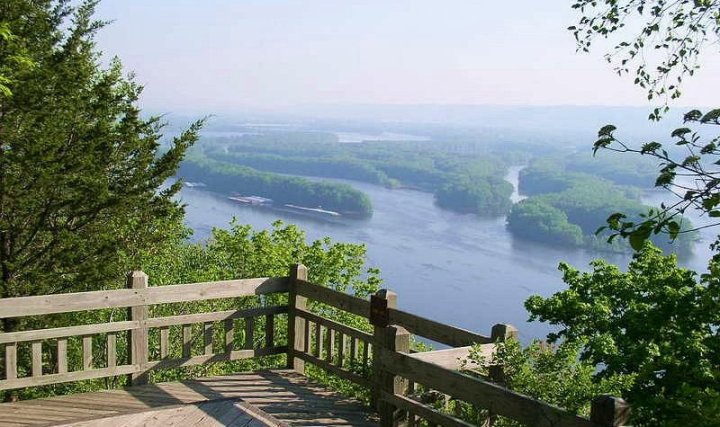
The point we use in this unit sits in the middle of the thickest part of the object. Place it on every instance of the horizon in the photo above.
(284, 56)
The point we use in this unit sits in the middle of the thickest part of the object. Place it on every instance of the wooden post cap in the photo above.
(610, 411)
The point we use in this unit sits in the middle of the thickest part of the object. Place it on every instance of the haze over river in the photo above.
(459, 269)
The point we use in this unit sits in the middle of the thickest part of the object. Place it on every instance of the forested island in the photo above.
(232, 179)
(565, 207)
(471, 183)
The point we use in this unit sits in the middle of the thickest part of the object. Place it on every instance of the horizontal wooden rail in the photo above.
(216, 316)
(48, 379)
(212, 358)
(68, 331)
(342, 373)
(484, 394)
(97, 300)
(456, 358)
(423, 411)
(347, 330)
(333, 298)
(435, 331)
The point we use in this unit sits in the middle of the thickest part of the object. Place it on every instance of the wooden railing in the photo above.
(399, 380)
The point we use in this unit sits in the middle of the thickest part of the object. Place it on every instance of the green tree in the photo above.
(81, 171)
(661, 41)
(656, 322)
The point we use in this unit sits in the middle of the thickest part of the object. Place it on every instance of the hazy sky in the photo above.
(219, 55)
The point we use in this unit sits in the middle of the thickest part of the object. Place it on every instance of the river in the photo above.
(459, 269)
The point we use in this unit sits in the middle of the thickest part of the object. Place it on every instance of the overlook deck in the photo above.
(266, 398)
(140, 335)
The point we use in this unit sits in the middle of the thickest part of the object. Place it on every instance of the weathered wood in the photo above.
(455, 358)
(87, 352)
(269, 330)
(230, 335)
(137, 281)
(111, 349)
(436, 331)
(208, 337)
(36, 358)
(249, 333)
(217, 316)
(430, 414)
(213, 357)
(69, 331)
(342, 373)
(296, 326)
(342, 341)
(187, 340)
(333, 298)
(289, 397)
(10, 361)
(500, 333)
(353, 349)
(62, 359)
(97, 300)
(347, 330)
(164, 342)
(319, 333)
(10, 384)
(482, 393)
(610, 411)
(392, 339)
(330, 345)
(306, 347)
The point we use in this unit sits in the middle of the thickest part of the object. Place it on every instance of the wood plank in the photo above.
(230, 335)
(215, 316)
(453, 358)
(67, 377)
(249, 333)
(330, 345)
(37, 358)
(333, 298)
(164, 342)
(306, 347)
(270, 330)
(62, 359)
(482, 393)
(348, 330)
(97, 300)
(208, 337)
(187, 340)
(430, 414)
(342, 342)
(111, 349)
(212, 358)
(87, 352)
(319, 333)
(342, 373)
(436, 331)
(10, 362)
(68, 331)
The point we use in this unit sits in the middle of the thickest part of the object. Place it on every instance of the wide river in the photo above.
(459, 269)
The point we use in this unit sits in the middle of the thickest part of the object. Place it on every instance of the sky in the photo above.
(233, 55)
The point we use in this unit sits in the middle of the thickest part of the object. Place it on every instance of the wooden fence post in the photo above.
(501, 332)
(138, 339)
(296, 327)
(391, 338)
(609, 411)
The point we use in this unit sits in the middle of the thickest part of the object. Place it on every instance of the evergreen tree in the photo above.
(81, 170)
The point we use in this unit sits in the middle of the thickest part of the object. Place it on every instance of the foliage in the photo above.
(469, 183)
(552, 374)
(237, 252)
(694, 179)
(665, 46)
(567, 207)
(81, 171)
(656, 322)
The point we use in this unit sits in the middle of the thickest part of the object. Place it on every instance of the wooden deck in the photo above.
(266, 398)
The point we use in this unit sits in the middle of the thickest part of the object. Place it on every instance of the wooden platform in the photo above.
(267, 398)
